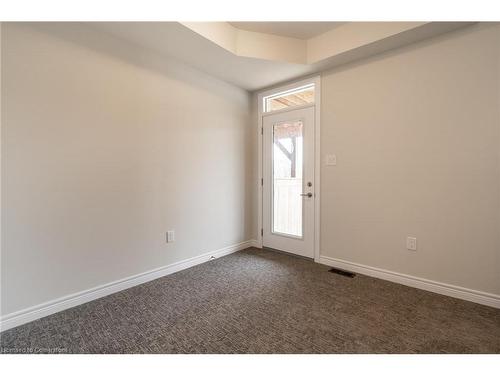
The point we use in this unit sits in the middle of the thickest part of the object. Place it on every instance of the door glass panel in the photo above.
(287, 178)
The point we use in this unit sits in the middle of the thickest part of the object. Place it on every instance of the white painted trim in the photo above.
(260, 127)
(51, 307)
(288, 109)
(286, 87)
(316, 80)
(476, 296)
(255, 243)
(317, 168)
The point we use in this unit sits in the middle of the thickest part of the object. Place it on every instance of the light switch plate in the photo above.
(330, 159)
(170, 236)
(411, 243)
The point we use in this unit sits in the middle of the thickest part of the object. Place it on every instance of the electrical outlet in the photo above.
(170, 236)
(330, 159)
(411, 243)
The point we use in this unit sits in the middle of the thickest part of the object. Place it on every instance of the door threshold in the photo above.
(287, 253)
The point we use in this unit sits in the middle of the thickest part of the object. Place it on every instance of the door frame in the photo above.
(316, 80)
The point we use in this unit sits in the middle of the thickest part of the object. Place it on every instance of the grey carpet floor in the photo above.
(259, 301)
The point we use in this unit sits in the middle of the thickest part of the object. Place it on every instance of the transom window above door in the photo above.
(296, 97)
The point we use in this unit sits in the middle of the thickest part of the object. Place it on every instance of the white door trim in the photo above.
(284, 110)
(316, 80)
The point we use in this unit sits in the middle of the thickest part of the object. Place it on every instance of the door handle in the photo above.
(309, 195)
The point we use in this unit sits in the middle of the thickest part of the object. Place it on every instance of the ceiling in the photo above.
(299, 30)
(174, 40)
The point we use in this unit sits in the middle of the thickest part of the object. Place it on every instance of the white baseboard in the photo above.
(476, 296)
(256, 243)
(39, 311)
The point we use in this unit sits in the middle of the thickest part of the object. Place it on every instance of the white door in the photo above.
(288, 178)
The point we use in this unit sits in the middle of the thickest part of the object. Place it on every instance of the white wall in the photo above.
(417, 136)
(105, 147)
(1, 162)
